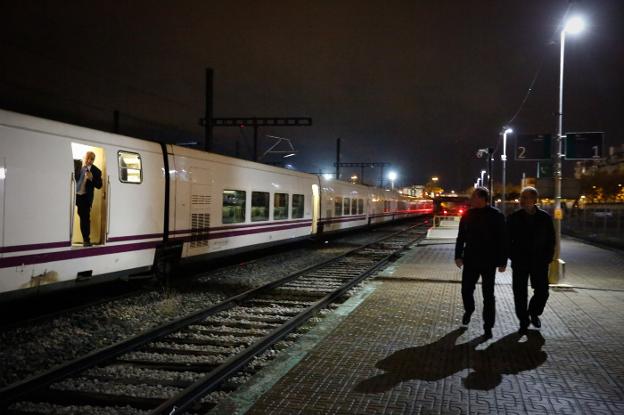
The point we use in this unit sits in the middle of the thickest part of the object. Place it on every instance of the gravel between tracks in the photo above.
(32, 349)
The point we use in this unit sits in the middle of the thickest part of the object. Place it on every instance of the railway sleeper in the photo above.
(223, 330)
(70, 398)
(282, 302)
(191, 352)
(207, 340)
(262, 318)
(170, 366)
(127, 371)
(174, 361)
(234, 323)
(134, 380)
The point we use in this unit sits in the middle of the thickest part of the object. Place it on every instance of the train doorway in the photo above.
(316, 207)
(97, 217)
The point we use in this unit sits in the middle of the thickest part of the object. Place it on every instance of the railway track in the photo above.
(186, 365)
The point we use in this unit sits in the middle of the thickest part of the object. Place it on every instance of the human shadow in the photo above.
(443, 358)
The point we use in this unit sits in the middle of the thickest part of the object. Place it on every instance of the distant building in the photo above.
(613, 163)
(416, 190)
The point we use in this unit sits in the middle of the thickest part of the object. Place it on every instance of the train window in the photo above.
(354, 206)
(338, 206)
(386, 206)
(130, 170)
(234, 202)
(347, 206)
(280, 206)
(297, 206)
(360, 206)
(259, 206)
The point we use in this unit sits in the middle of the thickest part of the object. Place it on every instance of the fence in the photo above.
(599, 222)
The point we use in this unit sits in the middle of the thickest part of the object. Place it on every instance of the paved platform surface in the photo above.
(402, 349)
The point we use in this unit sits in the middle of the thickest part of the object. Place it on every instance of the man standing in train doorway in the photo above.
(88, 178)
(479, 249)
(531, 248)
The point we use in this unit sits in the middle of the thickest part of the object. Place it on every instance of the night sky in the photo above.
(419, 84)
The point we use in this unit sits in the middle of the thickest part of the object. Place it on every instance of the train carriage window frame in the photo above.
(124, 167)
(354, 206)
(338, 206)
(346, 209)
(264, 206)
(234, 199)
(280, 204)
(298, 206)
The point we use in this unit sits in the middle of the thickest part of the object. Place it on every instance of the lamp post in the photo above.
(482, 174)
(573, 25)
(392, 176)
(504, 160)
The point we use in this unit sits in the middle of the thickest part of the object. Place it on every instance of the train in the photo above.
(159, 204)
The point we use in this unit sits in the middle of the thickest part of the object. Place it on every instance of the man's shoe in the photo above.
(487, 333)
(466, 318)
(87, 244)
(536, 321)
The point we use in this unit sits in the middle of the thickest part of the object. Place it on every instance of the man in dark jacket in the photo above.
(480, 248)
(531, 236)
(88, 178)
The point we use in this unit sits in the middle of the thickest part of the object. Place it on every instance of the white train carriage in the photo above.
(227, 204)
(39, 228)
(343, 205)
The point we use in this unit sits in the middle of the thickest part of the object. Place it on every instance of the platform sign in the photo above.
(533, 147)
(584, 146)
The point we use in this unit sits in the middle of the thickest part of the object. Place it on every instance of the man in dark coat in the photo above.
(531, 236)
(480, 248)
(88, 178)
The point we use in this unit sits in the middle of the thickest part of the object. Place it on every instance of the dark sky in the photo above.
(419, 84)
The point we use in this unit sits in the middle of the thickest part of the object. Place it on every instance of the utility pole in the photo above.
(208, 109)
(490, 172)
(338, 158)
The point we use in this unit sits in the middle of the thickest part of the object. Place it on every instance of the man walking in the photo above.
(88, 178)
(480, 248)
(531, 248)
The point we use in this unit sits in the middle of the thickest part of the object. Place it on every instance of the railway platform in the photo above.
(398, 347)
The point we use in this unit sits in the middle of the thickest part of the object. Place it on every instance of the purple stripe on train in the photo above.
(15, 261)
(32, 247)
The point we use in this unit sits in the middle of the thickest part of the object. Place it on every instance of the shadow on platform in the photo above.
(444, 358)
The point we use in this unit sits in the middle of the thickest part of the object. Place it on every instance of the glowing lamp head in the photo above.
(392, 176)
(574, 25)
(508, 131)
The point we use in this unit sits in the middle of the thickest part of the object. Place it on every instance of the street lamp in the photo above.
(392, 176)
(573, 25)
(504, 160)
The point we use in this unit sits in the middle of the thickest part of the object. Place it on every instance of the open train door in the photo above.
(316, 206)
(2, 178)
(99, 207)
